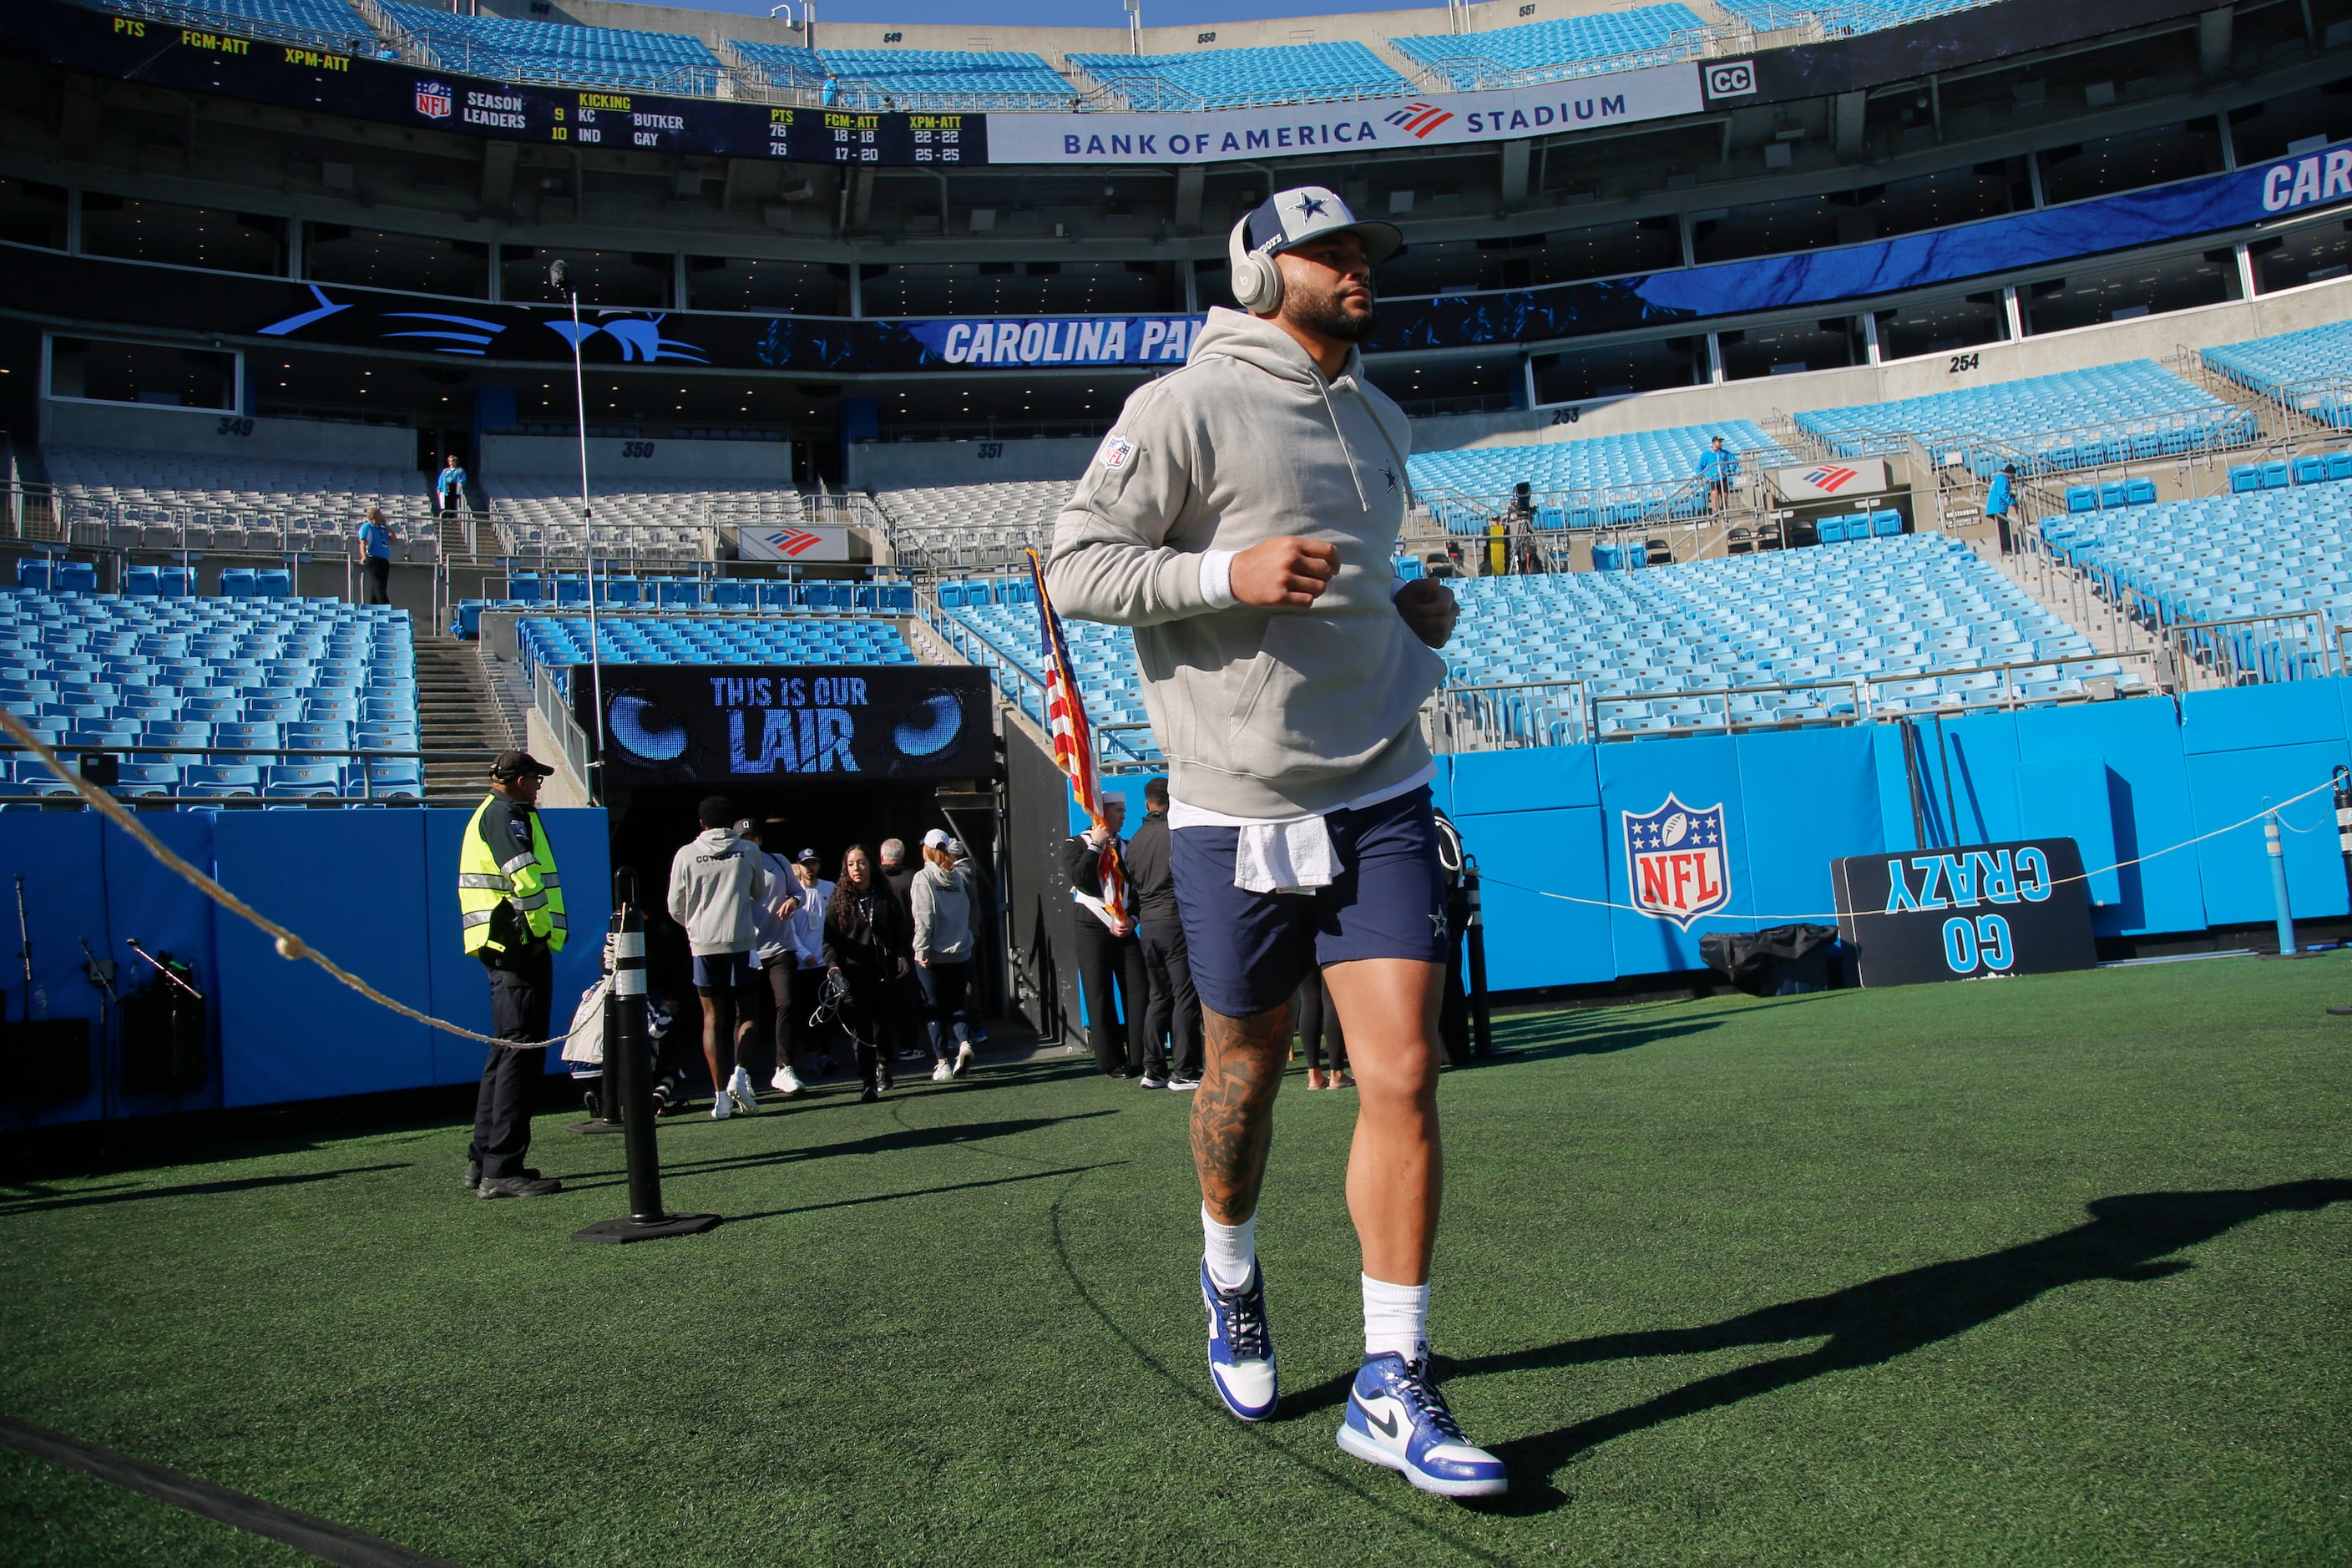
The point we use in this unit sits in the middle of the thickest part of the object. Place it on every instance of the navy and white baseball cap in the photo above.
(1292, 218)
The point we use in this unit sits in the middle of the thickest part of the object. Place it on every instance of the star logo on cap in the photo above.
(1310, 206)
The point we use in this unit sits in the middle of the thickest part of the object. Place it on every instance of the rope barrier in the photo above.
(1833, 915)
(290, 945)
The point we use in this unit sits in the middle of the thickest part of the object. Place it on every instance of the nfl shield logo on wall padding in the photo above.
(1674, 862)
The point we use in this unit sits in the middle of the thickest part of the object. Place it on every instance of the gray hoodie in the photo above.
(942, 902)
(1262, 713)
(715, 882)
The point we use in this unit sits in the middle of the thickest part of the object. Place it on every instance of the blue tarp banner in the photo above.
(2021, 239)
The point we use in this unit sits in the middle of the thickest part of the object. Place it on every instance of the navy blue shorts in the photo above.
(1250, 951)
(717, 973)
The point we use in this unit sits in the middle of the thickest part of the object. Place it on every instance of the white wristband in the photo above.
(1217, 578)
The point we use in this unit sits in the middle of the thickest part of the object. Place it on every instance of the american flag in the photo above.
(1074, 736)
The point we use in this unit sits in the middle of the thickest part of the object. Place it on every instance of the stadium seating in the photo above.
(1905, 624)
(1581, 471)
(1551, 51)
(997, 80)
(2280, 551)
(951, 527)
(107, 670)
(553, 51)
(686, 596)
(1238, 78)
(2312, 369)
(561, 642)
(2075, 418)
(327, 22)
(227, 505)
(673, 521)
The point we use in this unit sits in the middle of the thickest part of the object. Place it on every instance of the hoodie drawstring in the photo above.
(1362, 500)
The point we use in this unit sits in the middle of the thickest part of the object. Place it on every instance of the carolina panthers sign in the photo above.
(1978, 911)
(1674, 861)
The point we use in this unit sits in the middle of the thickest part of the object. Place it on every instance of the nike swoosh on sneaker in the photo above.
(1386, 1424)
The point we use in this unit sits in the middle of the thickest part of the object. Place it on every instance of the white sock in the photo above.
(1396, 1317)
(1231, 1251)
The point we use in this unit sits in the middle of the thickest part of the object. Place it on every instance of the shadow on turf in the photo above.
(924, 1191)
(1563, 1038)
(133, 1193)
(2127, 1238)
(898, 1141)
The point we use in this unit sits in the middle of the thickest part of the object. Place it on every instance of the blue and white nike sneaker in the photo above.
(1241, 1350)
(1397, 1418)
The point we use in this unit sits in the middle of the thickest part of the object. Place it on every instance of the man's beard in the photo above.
(1328, 317)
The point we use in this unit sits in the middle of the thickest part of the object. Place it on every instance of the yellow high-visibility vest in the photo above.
(496, 870)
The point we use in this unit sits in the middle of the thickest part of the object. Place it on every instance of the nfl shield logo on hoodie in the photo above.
(1674, 862)
(1116, 451)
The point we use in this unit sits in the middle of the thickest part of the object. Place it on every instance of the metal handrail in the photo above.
(564, 725)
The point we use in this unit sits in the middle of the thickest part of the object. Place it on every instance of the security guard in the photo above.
(513, 906)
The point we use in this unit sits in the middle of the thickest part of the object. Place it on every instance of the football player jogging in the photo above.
(1242, 516)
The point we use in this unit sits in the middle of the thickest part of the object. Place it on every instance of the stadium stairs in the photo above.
(455, 710)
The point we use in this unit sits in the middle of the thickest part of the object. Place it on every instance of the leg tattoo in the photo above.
(1232, 1111)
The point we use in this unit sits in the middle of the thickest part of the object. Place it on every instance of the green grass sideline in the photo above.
(2033, 1270)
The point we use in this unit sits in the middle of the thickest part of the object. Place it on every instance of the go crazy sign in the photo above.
(1971, 913)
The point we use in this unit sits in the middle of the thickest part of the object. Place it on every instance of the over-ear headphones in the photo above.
(1256, 276)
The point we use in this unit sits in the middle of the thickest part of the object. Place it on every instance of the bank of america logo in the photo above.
(433, 101)
(792, 540)
(1420, 119)
(1829, 480)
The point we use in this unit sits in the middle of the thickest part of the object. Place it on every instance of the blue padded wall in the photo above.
(64, 904)
(2287, 739)
(147, 900)
(1531, 940)
(2139, 743)
(352, 882)
(1809, 797)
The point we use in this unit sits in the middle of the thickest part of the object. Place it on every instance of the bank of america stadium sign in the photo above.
(1434, 119)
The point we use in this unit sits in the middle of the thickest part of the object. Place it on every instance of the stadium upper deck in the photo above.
(833, 282)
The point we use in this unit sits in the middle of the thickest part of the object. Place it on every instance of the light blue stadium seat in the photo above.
(2274, 474)
(1549, 51)
(1885, 524)
(1830, 529)
(2310, 469)
(2139, 492)
(236, 582)
(1235, 79)
(2339, 465)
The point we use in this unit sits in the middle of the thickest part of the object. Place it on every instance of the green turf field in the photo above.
(2041, 1270)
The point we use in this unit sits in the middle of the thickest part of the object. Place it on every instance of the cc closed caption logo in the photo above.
(1731, 79)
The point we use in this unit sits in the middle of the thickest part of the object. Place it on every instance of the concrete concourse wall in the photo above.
(614, 462)
(209, 432)
(908, 465)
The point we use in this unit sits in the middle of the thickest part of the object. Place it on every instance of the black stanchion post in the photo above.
(1481, 1022)
(628, 1063)
(607, 1108)
(2344, 822)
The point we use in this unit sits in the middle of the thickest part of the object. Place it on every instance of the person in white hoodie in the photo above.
(716, 883)
(943, 948)
(776, 951)
(808, 959)
(1242, 516)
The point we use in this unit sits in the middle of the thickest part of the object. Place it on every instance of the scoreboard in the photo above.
(354, 84)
